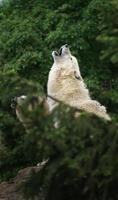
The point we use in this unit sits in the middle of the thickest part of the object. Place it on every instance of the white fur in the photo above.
(66, 84)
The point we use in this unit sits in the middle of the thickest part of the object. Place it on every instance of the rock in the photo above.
(10, 190)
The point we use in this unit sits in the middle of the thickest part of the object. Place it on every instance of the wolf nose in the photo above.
(66, 45)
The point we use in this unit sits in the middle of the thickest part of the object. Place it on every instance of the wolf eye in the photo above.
(77, 76)
(71, 58)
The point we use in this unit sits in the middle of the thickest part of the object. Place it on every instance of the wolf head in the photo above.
(65, 60)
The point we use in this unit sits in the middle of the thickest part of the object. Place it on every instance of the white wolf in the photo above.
(66, 84)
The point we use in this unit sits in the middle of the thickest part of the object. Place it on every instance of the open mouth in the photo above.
(56, 53)
(60, 51)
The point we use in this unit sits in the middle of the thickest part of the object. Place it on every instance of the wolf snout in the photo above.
(64, 47)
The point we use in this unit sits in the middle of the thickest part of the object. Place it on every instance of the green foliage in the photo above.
(11, 131)
(82, 153)
(109, 32)
(82, 157)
